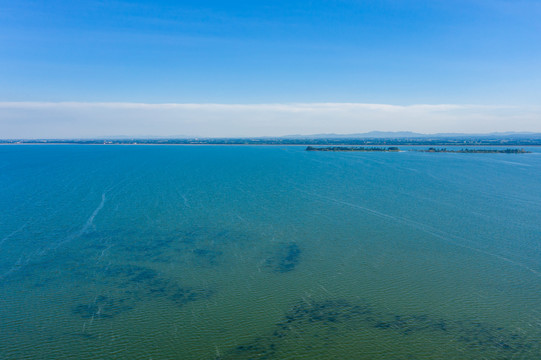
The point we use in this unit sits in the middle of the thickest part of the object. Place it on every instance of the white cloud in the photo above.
(82, 119)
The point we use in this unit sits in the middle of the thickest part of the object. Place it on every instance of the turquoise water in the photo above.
(261, 252)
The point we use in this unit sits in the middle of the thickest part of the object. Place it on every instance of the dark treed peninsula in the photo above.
(475, 151)
(429, 150)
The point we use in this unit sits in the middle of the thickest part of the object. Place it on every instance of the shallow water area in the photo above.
(268, 252)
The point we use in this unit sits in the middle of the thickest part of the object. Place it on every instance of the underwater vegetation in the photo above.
(285, 258)
(125, 263)
(196, 246)
(191, 247)
(130, 283)
(139, 283)
(102, 307)
(308, 324)
(123, 269)
(206, 257)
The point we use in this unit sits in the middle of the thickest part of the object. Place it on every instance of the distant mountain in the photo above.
(371, 134)
(369, 137)
(409, 134)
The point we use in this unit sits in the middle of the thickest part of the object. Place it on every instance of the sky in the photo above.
(268, 68)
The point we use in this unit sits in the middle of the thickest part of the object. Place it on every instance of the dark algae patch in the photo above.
(285, 258)
(102, 288)
(102, 307)
(314, 327)
(203, 245)
(130, 274)
(206, 257)
(137, 284)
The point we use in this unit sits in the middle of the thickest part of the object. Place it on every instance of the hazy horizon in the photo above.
(33, 120)
(374, 134)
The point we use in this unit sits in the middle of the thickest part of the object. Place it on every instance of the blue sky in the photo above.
(399, 52)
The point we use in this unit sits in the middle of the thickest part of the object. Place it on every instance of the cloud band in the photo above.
(97, 119)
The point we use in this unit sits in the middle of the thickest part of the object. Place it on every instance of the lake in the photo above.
(268, 252)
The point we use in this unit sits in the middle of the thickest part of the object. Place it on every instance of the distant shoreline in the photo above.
(472, 141)
(253, 144)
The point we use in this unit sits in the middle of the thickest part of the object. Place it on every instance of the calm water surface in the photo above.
(260, 252)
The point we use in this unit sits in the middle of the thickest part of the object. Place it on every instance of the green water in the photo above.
(261, 252)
